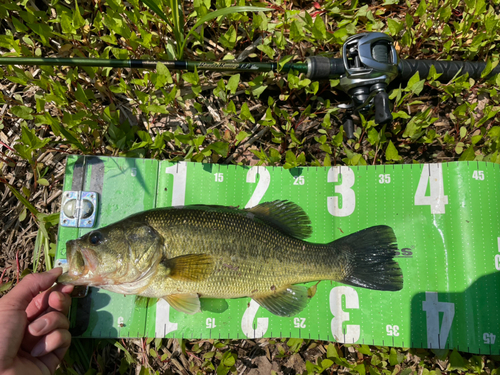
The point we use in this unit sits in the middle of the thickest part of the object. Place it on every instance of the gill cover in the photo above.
(144, 245)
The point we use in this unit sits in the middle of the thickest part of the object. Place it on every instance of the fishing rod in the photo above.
(368, 65)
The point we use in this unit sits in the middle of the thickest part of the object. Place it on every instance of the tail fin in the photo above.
(370, 259)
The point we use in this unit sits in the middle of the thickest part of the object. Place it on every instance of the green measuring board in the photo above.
(445, 216)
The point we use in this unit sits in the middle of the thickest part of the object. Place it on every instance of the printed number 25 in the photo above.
(344, 189)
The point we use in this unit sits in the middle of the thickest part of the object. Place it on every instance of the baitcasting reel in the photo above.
(370, 63)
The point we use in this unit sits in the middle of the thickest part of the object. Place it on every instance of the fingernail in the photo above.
(39, 349)
(38, 325)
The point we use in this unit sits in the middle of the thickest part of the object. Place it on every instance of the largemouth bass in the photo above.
(186, 253)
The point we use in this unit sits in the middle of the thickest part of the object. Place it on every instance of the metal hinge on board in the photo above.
(79, 209)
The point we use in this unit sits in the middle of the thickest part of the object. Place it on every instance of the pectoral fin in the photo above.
(186, 303)
(191, 267)
(287, 301)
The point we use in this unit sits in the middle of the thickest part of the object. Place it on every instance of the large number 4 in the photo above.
(437, 332)
(432, 176)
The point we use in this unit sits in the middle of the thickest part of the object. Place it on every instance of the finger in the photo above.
(52, 360)
(60, 338)
(43, 301)
(30, 286)
(47, 323)
(60, 301)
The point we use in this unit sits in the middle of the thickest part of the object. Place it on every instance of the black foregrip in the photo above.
(407, 68)
(321, 67)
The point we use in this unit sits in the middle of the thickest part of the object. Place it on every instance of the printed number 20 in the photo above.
(345, 191)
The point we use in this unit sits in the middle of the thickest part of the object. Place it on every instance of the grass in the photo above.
(267, 119)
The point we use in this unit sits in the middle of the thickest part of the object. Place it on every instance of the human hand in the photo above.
(34, 332)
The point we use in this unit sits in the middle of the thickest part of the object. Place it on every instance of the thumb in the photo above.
(23, 293)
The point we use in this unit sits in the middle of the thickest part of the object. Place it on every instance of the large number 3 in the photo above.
(352, 332)
(346, 175)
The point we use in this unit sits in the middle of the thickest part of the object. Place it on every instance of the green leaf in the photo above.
(229, 359)
(310, 367)
(325, 363)
(421, 8)
(241, 136)
(319, 29)
(5, 286)
(222, 148)
(22, 215)
(267, 50)
(43, 182)
(152, 4)
(78, 20)
(19, 25)
(360, 369)
(228, 39)
(245, 113)
(331, 351)
(177, 17)
(395, 357)
(391, 153)
(216, 14)
(162, 76)
(365, 349)
(222, 370)
(232, 83)
(23, 200)
(467, 155)
(43, 31)
(296, 31)
(22, 112)
(373, 136)
(394, 26)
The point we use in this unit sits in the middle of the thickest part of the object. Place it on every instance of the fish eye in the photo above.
(96, 238)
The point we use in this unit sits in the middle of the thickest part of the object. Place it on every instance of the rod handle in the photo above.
(321, 67)
(448, 69)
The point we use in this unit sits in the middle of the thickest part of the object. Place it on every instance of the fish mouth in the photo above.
(82, 262)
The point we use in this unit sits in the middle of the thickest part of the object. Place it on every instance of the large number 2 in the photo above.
(179, 171)
(344, 189)
(251, 311)
(436, 198)
(352, 332)
(262, 186)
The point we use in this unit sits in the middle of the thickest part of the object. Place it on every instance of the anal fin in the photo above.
(287, 301)
(188, 303)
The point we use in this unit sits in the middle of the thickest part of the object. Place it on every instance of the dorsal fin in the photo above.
(285, 216)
